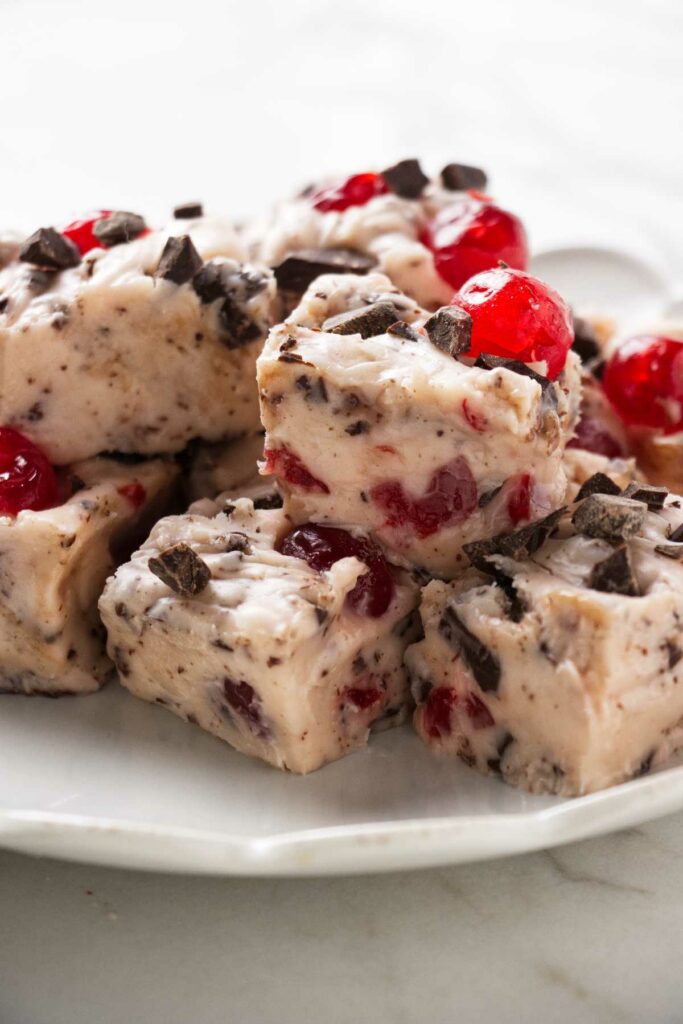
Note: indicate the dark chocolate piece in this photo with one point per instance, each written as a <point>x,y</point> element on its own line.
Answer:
<point>516,605</point>
<point>314,390</point>
<point>677,536</point>
<point>406,179</point>
<point>50,250</point>
<point>460,177</point>
<point>674,653</point>
<point>609,517</point>
<point>585,341</point>
<point>300,268</point>
<point>614,575</point>
<point>519,545</point>
<point>238,328</point>
<point>181,569</point>
<point>188,211</point>
<point>359,427</point>
<point>179,261</point>
<point>482,662</point>
<point>488,362</point>
<point>450,329</point>
<point>238,542</point>
<point>670,550</point>
<point>368,321</point>
<point>654,497</point>
<point>268,501</point>
<point>403,330</point>
<point>119,227</point>
<point>599,483</point>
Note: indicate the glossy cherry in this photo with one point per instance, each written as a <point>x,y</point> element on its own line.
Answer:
<point>517,316</point>
<point>27,480</point>
<point>357,190</point>
<point>321,546</point>
<point>81,231</point>
<point>451,496</point>
<point>474,235</point>
<point>644,382</point>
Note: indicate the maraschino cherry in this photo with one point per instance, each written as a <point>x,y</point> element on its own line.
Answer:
<point>644,382</point>
<point>81,231</point>
<point>357,190</point>
<point>27,480</point>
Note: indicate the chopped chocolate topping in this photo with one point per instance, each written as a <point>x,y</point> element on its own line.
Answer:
<point>519,545</point>
<point>48,249</point>
<point>460,177</point>
<point>609,517</point>
<point>677,535</point>
<point>238,542</point>
<point>483,664</point>
<point>368,321</point>
<point>488,362</point>
<point>188,211</point>
<point>403,330</point>
<point>450,329</point>
<point>654,497</point>
<point>239,329</point>
<point>119,227</point>
<point>179,261</point>
<point>585,340</point>
<point>181,569</point>
<point>406,179</point>
<point>300,268</point>
<point>614,575</point>
<point>210,283</point>
<point>599,483</point>
<point>268,501</point>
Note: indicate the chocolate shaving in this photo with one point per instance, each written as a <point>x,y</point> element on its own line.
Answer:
<point>50,250</point>
<point>460,177</point>
<point>599,483</point>
<point>609,517</point>
<point>654,497</point>
<point>118,227</point>
<point>614,575</point>
<point>188,211</point>
<point>482,662</point>
<point>181,569</point>
<point>585,340</point>
<point>519,545</point>
<point>403,330</point>
<point>450,330</point>
<point>300,268</point>
<point>488,362</point>
<point>406,179</point>
<point>179,261</point>
<point>368,321</point>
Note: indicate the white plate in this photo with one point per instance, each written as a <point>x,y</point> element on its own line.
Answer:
<point>110,780</point>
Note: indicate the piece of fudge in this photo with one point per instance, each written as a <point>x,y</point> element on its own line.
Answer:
<point>53,565</point>
<point>131,346</point>
<point>230,468</point>
<point>557,664</point>
<point>370,419</point>
<point>220,618</point>
<point>427,235</point>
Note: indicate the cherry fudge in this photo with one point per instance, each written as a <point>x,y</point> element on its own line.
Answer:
<point>374,415</point>
<point>427,236</point>
<point>117,338</point>
<point>287,644</point>
<point>54,561</point>
<point>558,663</point>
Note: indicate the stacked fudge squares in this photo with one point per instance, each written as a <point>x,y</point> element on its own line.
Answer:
<point>419,486</point>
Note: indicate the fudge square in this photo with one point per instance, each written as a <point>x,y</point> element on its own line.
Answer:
<point>561,669</point>
<point>53,566</point>
<point>371,419</point>
<point>283,643</point>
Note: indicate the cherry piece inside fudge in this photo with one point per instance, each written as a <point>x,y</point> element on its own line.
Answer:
<point>593,437</point>
<point>450,498</point>
<point>135,492</point>
<point>321,546</point>
<point>472,236</point>
<point>644,382</point>
<point>285,463</point>
<point>517,316</point>
<point>81,231</point>
<point>27,480</point>
<point>355,191</point>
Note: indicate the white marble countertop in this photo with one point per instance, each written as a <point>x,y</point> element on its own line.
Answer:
<point>139,104</point>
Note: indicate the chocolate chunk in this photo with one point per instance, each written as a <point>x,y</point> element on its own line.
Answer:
<point>238,328</point>
<point>516,605</point>
<point>300,268</point>
<point>238,542</point>
<point>609,517</point>
<point>211,282</point>
<point>488,362</point>
<point>4,303</point>
<point>406,179</point>
<point>503,744</point>
<point>368,321</point>
<point>179,261</point>
<point>482,662</point>
<point>654,497</point>
<point>314,390</point>
<point>486,497</point>
<point>614,575</point>
<point>359,427</point>
<point>268,501</point>
<point>450,329</point>
<point>674,653</point>
<point>40,281</point>
<point>403,330</point>
<point>670,550</point>
<point>188,211</point>
<point>460,177</point>
<point>599,483</point>
<point>585,340</point>
<point>48,249</point>
<point>677,535</point>
<point>181,569</point>
<point>118,227</point>
<point>519,545</point>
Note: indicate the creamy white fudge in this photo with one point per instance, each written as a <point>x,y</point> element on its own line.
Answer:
<point>385,429</point>
<point>254,645</point>
<point>580,465</point>
<point>561,669</point>
<point>229,468</point>
<point>112,355</point>
<point>53,565</point>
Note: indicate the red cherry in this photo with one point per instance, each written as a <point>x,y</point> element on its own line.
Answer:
<point>135,493</point>
<point>519,500</point>
<point>451,496</point>
<point>362,697</point>
<point>285,463</point>
<point>27,480</point>
<point>478,713</point>
<point>321,546</point>
<point>471,236</point>
<point>357,190</point>
<point>517,316</point>
<point>437,712</point>
<point>644,382</point>
<point>592,437</point>
<point>81,231</point>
